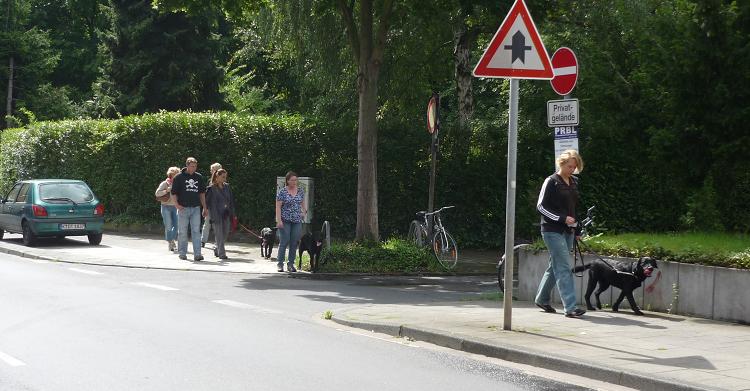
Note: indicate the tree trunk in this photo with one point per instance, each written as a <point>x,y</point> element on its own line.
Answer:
<point>367,157</point>
<point>9,100</point>
<point>462,39</point>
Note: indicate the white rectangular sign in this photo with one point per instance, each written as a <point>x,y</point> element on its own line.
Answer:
<point>562,112</point>
<point>561,145</point>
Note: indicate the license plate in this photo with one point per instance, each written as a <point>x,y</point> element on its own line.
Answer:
<point>72,226</point>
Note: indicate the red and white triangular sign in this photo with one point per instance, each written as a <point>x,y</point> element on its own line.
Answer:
<point>516,51</point>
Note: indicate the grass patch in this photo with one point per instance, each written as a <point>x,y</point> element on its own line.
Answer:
<point>328,315</point>
<point>715,249</point>
<point>391,257</point>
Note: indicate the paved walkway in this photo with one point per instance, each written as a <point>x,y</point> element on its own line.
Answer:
<point>142,252</point>
<point>653,352</point>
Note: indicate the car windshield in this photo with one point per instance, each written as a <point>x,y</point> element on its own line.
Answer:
<point>65,192</point>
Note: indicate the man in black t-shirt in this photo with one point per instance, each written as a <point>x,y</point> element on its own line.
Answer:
<point>189,191</point>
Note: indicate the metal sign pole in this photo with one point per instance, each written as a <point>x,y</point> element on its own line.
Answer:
<point>510,203</point>
<point>433,163</point>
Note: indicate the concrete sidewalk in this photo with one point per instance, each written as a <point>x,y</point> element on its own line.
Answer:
<point>653,352</point>
<point>141,252</point>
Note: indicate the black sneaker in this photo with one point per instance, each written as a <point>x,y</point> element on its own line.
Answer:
<point>576,313</point>
<point>291,269</point>
<point>198,258</point>
<point>203,244</point>
<point>546,307</point>
<point>183,257</point>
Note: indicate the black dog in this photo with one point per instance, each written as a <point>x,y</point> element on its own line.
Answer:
<point>313,246</point>
<point>268,237</point>
<point>624,275</point>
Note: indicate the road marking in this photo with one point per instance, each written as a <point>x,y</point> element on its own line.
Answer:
<point>84,271</point>
<point>255,308</point>
<point>40,261</point>
<point>155,286</point>
<point>10,360</point>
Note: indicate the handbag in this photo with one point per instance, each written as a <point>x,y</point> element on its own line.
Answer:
<point>163,198</point>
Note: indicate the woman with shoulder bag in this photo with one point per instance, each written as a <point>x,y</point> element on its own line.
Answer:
<point>168,208</point>
<point>220,204</point>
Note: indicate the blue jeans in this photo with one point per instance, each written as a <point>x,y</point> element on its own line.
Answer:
<point>559,246</point>
<point>169,216</point>
<point>189,216</point>
<point>289,236</point>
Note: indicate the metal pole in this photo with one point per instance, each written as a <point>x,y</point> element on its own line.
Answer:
<point>510,203</point>
<point>433,163</point>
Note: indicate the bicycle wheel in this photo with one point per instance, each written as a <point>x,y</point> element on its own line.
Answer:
<point>445,249</point>
<point>417,234</point>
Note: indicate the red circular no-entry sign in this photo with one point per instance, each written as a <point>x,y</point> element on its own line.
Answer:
<point>565,66</point>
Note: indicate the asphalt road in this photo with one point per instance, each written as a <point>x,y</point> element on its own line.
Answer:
<point>80,327</point>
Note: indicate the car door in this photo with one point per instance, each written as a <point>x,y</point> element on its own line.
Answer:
<point>8,207</point>
<point>21,203</point>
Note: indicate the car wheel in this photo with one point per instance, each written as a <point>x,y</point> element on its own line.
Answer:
<point>29,238</point>
<point>1,233</point>
<point>59,237</point>
<point>95,239</point>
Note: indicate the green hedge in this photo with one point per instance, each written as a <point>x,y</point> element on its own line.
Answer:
<point>125,159</point>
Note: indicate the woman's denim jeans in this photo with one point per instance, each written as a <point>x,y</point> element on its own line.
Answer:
<point>169,216</point>
<point>559,246</point>
<point>289,236</point>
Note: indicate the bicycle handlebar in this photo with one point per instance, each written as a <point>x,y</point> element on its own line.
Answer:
<point>425,213</point>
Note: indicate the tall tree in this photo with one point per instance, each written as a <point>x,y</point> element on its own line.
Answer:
<point>367,23</point>
<point>162,61</point>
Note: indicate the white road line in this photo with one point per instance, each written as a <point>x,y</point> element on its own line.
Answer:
<point>565,71</point>
<point>155,286</point>
<point>84,271</point>
<point>10,360</point>
<point>40,261</point>
<point>251,307</point>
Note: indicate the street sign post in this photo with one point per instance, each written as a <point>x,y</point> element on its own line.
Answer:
<point>515,52</point>
<point>433,127</point>
<point>565,66</point>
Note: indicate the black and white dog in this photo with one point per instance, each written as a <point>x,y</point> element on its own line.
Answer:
<point>624,275</point>
<point>268,238</point>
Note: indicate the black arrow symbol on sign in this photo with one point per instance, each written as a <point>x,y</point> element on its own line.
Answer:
<point>518,48</point>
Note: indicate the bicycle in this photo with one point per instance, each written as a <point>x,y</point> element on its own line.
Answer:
<point>443,245</point>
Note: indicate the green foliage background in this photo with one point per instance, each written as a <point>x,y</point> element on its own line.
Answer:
<point>663,89</point>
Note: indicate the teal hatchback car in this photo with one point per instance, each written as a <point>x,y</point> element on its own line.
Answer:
<point>52,208</point>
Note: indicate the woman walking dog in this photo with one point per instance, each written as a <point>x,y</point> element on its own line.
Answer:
<point>220,203</point>
<point>557,204</point>
<point>290,212</point>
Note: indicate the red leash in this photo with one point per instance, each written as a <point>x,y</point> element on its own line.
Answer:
<point>248,230</point>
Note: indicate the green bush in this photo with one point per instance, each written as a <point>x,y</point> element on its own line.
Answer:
<point>393,256</point>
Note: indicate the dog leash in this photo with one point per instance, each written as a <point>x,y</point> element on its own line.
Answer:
<point>577,253</point>
<point>248,230</point>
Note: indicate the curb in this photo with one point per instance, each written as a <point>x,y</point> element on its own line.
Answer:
<point>631,379</point>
